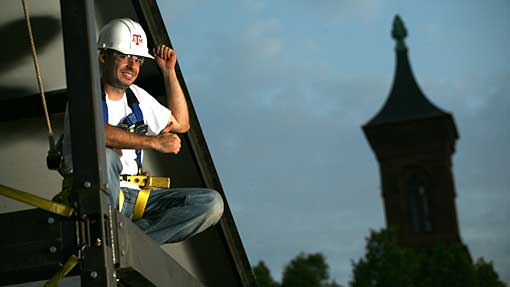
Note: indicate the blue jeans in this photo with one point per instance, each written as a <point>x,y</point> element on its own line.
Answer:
<point>171,215</point>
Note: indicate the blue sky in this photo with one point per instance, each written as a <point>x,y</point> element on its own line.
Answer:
<point>282,88</point>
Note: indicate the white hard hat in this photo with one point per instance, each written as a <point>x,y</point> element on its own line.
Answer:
<point>124,35</point>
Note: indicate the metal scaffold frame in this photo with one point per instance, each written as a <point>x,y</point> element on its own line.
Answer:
<point>112,251</point>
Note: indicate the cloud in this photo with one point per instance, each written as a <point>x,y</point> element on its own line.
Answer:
<point>335,10</point>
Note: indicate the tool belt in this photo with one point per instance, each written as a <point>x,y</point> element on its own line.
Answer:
<point>146,183</point>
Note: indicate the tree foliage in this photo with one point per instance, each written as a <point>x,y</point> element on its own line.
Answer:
<point>386,264</point>
<point>487,276</point>
<point>263,276</point>
<point>307,271</point>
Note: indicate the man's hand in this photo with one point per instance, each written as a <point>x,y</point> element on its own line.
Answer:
<point>165,57</point>
<point>167,143</point>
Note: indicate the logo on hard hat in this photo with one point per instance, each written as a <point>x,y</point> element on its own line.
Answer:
<point>137,39</point>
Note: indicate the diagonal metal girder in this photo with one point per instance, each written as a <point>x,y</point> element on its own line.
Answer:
<point>144,263</point>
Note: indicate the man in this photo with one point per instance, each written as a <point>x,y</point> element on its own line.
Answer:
<point>170,215</point>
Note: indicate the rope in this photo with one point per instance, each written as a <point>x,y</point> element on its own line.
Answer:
<point>37,70</point>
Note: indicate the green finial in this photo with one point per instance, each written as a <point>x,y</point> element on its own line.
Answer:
<point>399,32</point>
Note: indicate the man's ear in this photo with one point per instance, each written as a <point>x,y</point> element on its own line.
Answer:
<point>101,56</point>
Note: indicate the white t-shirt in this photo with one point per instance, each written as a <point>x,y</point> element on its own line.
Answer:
<point>155,116</point>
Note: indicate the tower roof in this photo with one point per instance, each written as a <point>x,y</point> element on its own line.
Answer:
<point>406,100</point>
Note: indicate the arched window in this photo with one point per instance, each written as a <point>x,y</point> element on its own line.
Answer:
<point>418,201</point>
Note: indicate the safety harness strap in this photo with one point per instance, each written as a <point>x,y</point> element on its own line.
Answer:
<point>141,203</point>
<point>121,200</point>
<point>62,272</point>
<point>133,103</point>
<point>37,201</point>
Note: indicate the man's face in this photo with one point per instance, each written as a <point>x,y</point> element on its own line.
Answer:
<point>119,70</point>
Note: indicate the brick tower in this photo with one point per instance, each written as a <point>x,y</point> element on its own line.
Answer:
<point>413,141</point>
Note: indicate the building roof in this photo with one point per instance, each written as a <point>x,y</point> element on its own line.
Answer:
<point>406,100</point>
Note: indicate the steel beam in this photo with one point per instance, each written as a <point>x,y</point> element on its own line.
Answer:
<point>87,134</point>
<point>144,263</point>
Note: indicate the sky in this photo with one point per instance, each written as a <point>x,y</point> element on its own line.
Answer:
<point>282,89</point>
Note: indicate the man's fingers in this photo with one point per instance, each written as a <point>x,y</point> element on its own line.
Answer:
<point>169,143</point>
<point>177,149</point>
<point>157,51</point>
<point>176,146</point>
<point>168,128</point>
<point>175,138</point>
<point>163,52</point>
<point>170,137</point>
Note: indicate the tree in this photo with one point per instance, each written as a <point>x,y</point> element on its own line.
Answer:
<point>445,266</point>
<point>486,274</point>
<point>307,271</point>
<point>263,276</point>
<point>387,264</point>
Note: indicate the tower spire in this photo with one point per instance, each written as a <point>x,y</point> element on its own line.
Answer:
<point>406,100</point>
<point>399,33</point>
